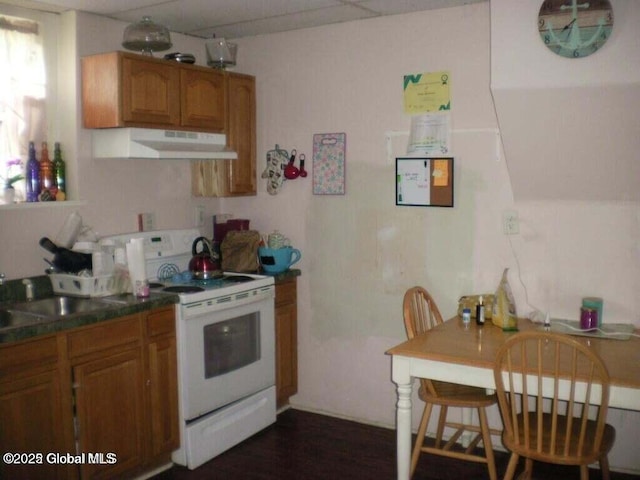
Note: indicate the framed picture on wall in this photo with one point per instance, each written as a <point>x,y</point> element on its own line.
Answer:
<point>424,181</point>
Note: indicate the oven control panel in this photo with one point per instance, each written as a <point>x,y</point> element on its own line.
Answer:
<point>161,243</point>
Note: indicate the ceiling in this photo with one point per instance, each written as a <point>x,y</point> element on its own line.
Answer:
<point>241,18</point>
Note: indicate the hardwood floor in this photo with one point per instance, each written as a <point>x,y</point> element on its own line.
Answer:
<point>308,446</point>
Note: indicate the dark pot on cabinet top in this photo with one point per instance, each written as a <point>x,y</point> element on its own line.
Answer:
<point>204,264</point>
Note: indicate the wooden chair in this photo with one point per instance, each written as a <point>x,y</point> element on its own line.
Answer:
<point>568,427</point>
<point>421,314</point>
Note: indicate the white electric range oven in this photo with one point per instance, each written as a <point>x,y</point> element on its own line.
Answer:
<point>225,331</point>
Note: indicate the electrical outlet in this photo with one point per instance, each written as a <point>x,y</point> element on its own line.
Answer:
<point>198,219</point>
<point>510,222</point>
<point>146,222</point>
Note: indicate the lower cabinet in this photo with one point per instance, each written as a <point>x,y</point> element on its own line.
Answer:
<point>33,411</point>
<point>286,316</point>
<point>161,386</point>
<point>107,397</point>
<point>108,393</point>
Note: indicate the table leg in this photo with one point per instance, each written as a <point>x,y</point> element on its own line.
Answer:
<point>404,384</point>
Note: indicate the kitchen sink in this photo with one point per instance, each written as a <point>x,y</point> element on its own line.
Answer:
<point>12,319</point>
<point>57,306</point>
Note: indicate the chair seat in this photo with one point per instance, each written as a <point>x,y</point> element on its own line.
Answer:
<point>455,395</point>
<point>586,455</point>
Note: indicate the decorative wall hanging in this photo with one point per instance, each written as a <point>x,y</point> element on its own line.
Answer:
<point>277,159</point>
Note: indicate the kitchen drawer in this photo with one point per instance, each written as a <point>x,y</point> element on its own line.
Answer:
<point>26,355</point>
<point>160,322</point>
<point>286,292</point>
<point>104,335</point>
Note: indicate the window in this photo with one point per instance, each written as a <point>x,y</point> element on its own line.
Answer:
<point>26,54</point>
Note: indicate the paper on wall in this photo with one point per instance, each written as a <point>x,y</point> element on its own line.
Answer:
<point>430,135</point>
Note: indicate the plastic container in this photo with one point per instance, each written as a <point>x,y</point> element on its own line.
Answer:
<point>588,319</point>
<point>595,303</point>
<point>466,316</point>
<point>69,231</point>
<point>76,286</point>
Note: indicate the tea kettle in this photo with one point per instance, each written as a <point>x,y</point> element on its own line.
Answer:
<point>206,264</point>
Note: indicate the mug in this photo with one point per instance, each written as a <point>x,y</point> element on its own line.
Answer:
<point>277,260</point>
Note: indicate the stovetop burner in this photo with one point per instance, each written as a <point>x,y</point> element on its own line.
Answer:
<point>183,289</point>
<point>237,278</point>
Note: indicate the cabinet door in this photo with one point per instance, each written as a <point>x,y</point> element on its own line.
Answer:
<point>241,134</point>
<point>202,99</point>
<point>109,395</point>
<point>31,423</point>
<point>286,316</point>
<point>150,92</point>
<point>228,178</point>
<point>286,353</point>
<point>162,394</point>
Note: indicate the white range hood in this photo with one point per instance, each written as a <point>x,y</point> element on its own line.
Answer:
<point>145,143</point>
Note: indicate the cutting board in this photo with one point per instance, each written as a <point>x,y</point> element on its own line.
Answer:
<point>329,162</point>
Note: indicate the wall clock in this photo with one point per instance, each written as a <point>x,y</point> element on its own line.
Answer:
<point>575,28</point>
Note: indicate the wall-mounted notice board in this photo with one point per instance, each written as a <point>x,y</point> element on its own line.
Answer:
<point>424,181</point>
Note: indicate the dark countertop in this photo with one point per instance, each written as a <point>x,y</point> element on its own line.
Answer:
<point>280,277</point>
<point>115,306</point>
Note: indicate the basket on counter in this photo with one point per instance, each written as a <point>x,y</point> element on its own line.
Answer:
<point>76,286</point>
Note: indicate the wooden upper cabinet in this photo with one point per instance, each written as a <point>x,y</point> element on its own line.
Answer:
<point>241,133</point>
<point>231,178</point>
<point>203,99</point>
<point>122,89</point>
<point>150,92</point>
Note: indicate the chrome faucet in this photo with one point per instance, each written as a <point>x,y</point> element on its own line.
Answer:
<point>29,289</point>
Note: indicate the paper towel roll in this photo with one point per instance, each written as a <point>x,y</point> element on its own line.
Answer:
<point>137,267</point>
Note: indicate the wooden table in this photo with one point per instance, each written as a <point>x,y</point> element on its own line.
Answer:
<point>453,353</point>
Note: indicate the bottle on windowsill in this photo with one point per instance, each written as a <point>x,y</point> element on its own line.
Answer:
<point>47,180</point>
<point>32,175</point>
<point>59,173</point>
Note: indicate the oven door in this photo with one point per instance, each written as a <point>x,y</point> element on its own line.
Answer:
<point>225,356</point>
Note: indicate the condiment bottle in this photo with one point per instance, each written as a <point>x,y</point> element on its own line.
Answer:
<point>32,175</point>
<point>466,317</point>
<point>59,173</point>
<point>47,180</point>
<point>480,312</point>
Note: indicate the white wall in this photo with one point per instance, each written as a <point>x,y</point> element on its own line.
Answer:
<point>360,251</point>
<point>570,126</point>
